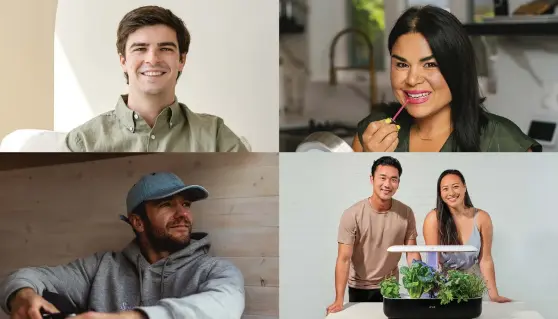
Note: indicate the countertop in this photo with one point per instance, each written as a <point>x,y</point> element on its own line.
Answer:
<point>374,310</point>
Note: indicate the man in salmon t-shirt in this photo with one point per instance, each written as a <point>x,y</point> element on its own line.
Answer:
<point>366,231</point>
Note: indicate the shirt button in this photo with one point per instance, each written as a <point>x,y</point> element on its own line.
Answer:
<point>136,116</point>
<point>152,137</point>
<point>131,129</point>
<point>170,123</point>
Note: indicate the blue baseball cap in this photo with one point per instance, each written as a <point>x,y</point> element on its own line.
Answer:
<point>160,185</point>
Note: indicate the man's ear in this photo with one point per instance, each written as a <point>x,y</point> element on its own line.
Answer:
<point>137,223</point>
<point>182,62</point>
<point>122,62</point>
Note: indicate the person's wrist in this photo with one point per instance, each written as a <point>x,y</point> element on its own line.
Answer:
<point>134,314</point>
<point>23,292</point>
<point>20,293</point>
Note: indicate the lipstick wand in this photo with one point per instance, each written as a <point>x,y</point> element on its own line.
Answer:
<point>400,109</point>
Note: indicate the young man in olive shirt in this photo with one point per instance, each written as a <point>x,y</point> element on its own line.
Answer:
<point>152,44</point>
<point>366,230</point>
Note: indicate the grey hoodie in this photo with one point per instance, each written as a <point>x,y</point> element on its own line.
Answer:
<point>188,284</point>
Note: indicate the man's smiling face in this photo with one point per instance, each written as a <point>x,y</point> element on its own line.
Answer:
<point>152,60</point>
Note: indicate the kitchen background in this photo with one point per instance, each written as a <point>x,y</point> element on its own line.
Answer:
<point>517,58</point>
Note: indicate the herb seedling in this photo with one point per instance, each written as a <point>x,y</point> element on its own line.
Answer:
<point>460,286</point>
<point>389,288</point>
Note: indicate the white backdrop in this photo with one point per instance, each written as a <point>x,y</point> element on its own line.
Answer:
<point>232,70</point>
<point>517,190</point>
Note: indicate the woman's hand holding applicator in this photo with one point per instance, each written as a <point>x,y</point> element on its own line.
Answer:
<point>382,136</point>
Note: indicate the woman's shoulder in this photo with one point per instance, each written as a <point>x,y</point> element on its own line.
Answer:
<point>503,135</point>
<point>483,216</point>
<point>431,217</point>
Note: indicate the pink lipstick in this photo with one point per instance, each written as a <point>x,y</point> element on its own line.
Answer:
<point>417,97</point>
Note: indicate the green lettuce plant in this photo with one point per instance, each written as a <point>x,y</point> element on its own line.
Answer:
<point>420,279</point>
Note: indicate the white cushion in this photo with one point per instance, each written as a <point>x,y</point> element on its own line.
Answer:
<point>33,140</point>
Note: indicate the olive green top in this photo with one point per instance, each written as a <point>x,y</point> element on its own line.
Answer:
<point>499,135</point>
<point>176,129</point>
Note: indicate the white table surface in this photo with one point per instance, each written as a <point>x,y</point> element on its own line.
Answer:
<point>490,310</point>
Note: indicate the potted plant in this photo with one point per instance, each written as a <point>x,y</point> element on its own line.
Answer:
<point>432,294</point>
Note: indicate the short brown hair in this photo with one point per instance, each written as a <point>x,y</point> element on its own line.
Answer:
<point>150,16</point>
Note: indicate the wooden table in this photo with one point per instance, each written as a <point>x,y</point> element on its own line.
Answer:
<point>490,310</point>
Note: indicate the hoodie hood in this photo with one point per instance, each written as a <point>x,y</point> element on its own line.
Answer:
<point>199,245</point>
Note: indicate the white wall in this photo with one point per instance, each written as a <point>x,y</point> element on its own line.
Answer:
<point>316,188</point>
<point>232,69</point>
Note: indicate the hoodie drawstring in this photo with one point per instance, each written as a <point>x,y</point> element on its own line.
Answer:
<point>163,279</point>
<point>140,280</point>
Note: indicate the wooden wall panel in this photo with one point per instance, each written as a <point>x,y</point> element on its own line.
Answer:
<point>11,161</point>
<point>54,214</point>
<point>261,300</point>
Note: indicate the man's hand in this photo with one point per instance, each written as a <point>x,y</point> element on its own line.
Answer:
<point>120,315</point>
<point>335,307</point>
<point>27,304</point>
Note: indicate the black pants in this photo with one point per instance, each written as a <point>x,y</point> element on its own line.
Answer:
<point>365,295</point>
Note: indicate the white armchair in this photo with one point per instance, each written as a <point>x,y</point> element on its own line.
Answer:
<point>33,140</point>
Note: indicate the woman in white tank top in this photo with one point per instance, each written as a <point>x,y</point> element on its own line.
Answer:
<point>455,221</point>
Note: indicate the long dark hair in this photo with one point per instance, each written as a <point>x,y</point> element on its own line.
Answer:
<point>447,230</point>
<point>455,55</point>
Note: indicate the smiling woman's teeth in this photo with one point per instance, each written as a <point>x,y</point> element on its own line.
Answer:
<point>418,95</point>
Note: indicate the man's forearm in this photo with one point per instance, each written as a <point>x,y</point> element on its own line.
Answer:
<point>72,279</point>
<point>220,296</point>
<point>12,285</point>
<point>341,278</point>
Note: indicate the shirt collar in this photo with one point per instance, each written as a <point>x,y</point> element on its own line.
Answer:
<point>172,114</point>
